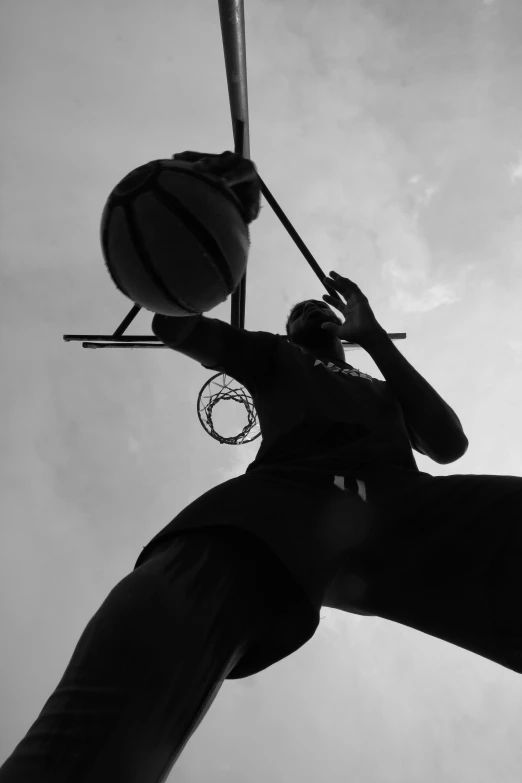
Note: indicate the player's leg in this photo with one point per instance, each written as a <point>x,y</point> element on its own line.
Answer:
<point>146,668</point>
<point>505,582</point>
<point>447,561</point>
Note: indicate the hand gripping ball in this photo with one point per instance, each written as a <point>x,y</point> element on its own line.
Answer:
<point>174,233</point>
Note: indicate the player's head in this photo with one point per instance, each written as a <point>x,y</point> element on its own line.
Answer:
<point>303,328</point>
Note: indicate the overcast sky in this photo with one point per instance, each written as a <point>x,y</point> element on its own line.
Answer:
<point>391,135</point>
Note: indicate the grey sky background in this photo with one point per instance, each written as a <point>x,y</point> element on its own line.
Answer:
<point>391,135</point>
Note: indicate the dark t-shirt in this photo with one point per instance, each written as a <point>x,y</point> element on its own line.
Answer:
<point>316,415</point>
<point>319,419</point>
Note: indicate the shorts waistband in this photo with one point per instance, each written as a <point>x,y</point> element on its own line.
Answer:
<point>347,484</point>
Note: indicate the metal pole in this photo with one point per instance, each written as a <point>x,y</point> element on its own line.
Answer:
<point>232,18</point>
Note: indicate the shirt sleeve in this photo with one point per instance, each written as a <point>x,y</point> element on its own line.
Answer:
<point>248,357</point>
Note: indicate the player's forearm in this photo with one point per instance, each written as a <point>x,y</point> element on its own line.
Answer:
<point>434,422</point>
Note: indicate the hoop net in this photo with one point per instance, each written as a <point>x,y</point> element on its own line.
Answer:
<point>227,388</point>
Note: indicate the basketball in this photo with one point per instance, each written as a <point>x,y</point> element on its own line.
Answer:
<point>175,236</point>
